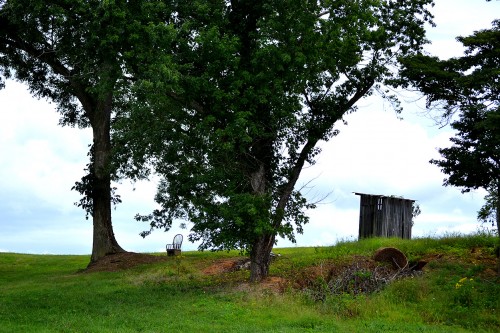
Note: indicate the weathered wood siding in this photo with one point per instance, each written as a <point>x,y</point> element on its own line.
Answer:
<point>384,216</point>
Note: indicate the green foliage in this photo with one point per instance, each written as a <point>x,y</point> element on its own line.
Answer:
<point>468,85</point>
<point>488,212</point>
<point>260,84</point>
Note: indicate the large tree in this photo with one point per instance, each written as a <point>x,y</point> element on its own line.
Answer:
<point>84,55</point>
<point>263,81</point>
<point>467,92</point>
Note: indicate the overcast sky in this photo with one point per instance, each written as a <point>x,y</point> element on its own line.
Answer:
<point>375,153</point>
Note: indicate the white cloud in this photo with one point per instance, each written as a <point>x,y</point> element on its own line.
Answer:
<point>455,18</point>
<point>377,152</point>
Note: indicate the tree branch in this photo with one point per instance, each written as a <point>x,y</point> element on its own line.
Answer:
<point>306,150</point>
<point>57,67</point>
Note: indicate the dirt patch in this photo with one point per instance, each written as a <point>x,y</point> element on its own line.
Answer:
<point>272,284</point>
<point>481,256</point>
<point>224,266</point>
<point>123,261</point>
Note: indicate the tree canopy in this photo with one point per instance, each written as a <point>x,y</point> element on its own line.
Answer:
<point>467,90</point>
<point>86,56</point>
<point>260,84</point>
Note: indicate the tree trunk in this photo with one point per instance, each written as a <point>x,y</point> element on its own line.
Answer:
<point>104,241</point>
<point>498,208</point>
<point>260,257</point>
<point>497,249</point>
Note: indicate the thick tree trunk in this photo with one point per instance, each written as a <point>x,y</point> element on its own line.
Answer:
<point>260,257</point>
<point>104,241</point>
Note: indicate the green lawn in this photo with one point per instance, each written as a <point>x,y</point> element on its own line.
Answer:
<point>457,292</point>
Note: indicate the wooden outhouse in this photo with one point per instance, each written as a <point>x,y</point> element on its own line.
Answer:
<point>385,216</point>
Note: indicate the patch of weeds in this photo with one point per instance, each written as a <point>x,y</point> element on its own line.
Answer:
<point>449,268</point>
<point>318,290</point>
<point>176,271</point>
<point>412,290</point>
<point>474,270</point>
<point>465,293</point>
<point>307,323</point>
<point>333,252</point>
<point>345,305</point>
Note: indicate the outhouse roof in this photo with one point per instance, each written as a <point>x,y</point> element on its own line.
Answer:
<point>384,196</point>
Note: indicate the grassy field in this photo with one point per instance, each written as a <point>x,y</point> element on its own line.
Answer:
<point>457,291</point>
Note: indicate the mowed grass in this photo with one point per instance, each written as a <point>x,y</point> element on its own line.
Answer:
<point>458,292</point>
